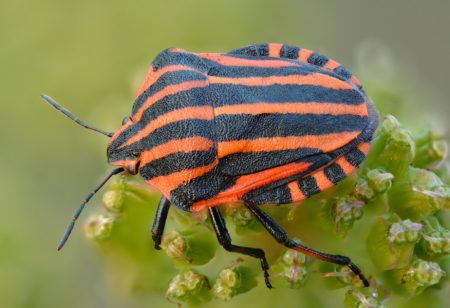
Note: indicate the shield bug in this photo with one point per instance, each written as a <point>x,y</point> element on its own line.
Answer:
<point>262,124</point>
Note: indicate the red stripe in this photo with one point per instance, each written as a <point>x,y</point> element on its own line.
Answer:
<point>364,147</point>
<point>327,143</point>
<point>179,145</point>
<point>304,54</point>
<point>274,50</point>
<point>331,65</point>
<point>170,89</point>
<point>299,108</point>
<point>233,61</point>
<point>296,193</point>
<point>355,81</point>
<point>167,183</point>
<point>314,79</point>
<point>322,181</point>
<point>194,112</point>
<point>152,76</point>
<point>119,131</point>
<point>345,165</point>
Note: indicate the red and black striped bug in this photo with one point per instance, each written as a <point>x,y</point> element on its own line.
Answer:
<point>262,124</point>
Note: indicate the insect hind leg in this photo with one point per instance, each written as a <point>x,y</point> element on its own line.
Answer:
<point>225,240</point>
<point>282,237</point>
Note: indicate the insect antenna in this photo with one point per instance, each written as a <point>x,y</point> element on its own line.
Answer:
<point>70,115</point>
<point>86,200</point>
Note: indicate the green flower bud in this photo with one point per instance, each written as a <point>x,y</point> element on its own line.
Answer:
<point>391,242</point>
<point>363,191</point>
<point>389,125</point>
<point>379,180</point>
<point>189,287</point>
<point>433,154</point>
<point>342,276</point>
<point>398,153</point>
<point>99,227</point>
<point>133,187</point>
<point>437,243</point>
<point>242,218</point>
<point>289,271</point>
<point>175,246</point>
<point>417,277</point>
<point>383,134</point>
<point>113,200</point>
<point>233,281</point>
<point>347,277</point>
<point>355,298</point>
<point>435,239</point>
<point>194,246</point>
<point>431,149</point>
<point>345,212</point>
<point>422,193</point>
<point>404,231</point>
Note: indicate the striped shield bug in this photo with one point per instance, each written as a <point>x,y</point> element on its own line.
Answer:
<point>262,124</point>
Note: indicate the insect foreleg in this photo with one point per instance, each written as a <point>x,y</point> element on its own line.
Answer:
<point>160,221</point>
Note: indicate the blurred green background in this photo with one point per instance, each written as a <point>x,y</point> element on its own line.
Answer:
<point>92,55</point>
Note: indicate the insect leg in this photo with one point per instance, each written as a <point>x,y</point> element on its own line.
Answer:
<point>282,237</point>
<point>160,221</point>
<point>225,240</point>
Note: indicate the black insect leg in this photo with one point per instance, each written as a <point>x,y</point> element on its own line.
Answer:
<point>281,236</point>
<point>225,240</point>
<point>160,221</point>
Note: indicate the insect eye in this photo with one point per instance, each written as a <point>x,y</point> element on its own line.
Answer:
<point>125,120</point>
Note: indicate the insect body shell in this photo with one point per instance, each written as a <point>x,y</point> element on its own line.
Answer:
<point>267,123</point>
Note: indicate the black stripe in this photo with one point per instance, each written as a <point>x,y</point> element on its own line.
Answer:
<point>177,162</point>
<point>278,195</point>
<point>343,72</point>
<point>172,131</point>
<point>355,157</point>
<point>201,188</point>
<point>125,154</point>
<point>124,136</point>
<point>258,50</point>
<point>226,94</point>
<point>169,57</point>
<point>246,163</point>
<point>244,126</point>
<point>290,52</point>
<point>334,173</point>
<point>317,59</point>
<point>167,79</point>
<point>171,102</point>
<point>308,186</point>
<point>244,71</point>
